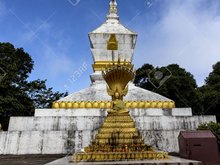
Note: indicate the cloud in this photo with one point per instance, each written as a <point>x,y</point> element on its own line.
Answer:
<point>186,33</point>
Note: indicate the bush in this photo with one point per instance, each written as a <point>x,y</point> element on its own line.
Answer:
<point>214,127</point>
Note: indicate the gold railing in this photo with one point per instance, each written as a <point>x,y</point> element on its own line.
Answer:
<point>108,104</point>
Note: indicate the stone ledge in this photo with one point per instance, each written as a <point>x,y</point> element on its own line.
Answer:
<point>103,112</point>
<point>70,112</point>
<point>181,112</point>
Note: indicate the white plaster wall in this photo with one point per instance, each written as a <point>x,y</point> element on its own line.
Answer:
<point>93,123</point>
<point>126,45</point>
<point>70,112</point>
<point>65,134</point>
<point>54,123</point>
<point>166,140</point>
<point>33,142</point>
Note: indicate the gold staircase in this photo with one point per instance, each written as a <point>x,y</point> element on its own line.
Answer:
<point>118,138</point>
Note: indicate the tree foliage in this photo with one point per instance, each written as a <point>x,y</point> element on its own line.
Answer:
<point>18,97</point>
<point>172,82</point>
<point>214,127</point>
<point>42,96</point>
<point>181,87</point>
<point>211,92</point>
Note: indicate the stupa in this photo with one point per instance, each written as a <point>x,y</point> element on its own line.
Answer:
<point>74,121</point>
<point>104,53</point>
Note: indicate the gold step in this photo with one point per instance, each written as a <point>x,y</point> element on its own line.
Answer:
<point>124,135</point>
<point>110,156</point>
<point>121,130</point>
<point>119,141</point>
<point>118,119</point>
<point>118,125</point>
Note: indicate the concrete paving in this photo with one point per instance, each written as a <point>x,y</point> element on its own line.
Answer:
<point>28,159</point>
<point>172,161</point>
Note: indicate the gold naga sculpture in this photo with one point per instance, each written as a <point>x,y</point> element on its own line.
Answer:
<point>118,138</point>
<point>117,77</point>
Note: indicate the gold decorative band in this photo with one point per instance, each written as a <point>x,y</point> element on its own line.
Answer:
<point>108,104</point>
<point>101,65</point>
<point>119,156</point>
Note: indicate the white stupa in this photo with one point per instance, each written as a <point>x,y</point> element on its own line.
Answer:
<point>68,129</point>
<point>102,56</point>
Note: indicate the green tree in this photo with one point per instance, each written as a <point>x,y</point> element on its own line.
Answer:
<point>141,78</point>
<point>18,97</point>
<point>42,96</point>
<point>211,92</point>
<point>172,82</point>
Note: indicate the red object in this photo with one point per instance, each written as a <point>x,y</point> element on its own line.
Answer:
<point>199,145</point>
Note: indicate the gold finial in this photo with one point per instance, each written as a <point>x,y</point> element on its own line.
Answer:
<point>119,59</point>
<point>112,43</point>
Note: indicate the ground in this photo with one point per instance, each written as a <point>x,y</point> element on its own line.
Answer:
<point>28,159</point>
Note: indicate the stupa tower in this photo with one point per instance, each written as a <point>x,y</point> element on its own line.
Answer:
<point>110,32</point>
<point>107,43</point>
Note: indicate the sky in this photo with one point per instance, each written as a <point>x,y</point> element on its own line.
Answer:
<point>55,34</point>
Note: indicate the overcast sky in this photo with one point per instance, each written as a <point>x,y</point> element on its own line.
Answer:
<point>55,34</point>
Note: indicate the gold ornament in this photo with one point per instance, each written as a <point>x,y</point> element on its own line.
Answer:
<point>147,104</point>
<point>108,105</point>
<point>112,43</point>
<point>75,105</point>
<point>62,105</point>
<point>55,105</point>
<point>88,105</point>
<point>82,104</point>
<point>95,105</point>
<point>134,104</point>
<point>69,105</point>
<point>102,105</point>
